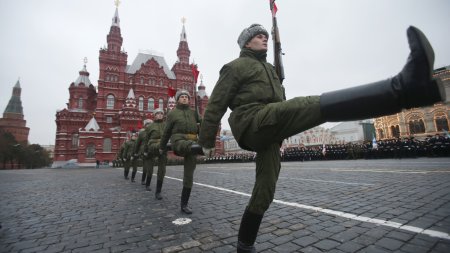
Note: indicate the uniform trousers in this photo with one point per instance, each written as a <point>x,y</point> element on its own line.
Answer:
<point>183,148</point>
<point>270,126</point>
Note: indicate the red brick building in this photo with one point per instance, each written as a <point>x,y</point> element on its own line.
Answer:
<point>13,119</point>
<point>97,122</point>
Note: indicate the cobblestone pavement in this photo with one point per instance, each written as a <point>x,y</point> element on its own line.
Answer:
<point>329,206</point>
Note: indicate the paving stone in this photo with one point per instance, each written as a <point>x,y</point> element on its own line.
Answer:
<point>95,210</point>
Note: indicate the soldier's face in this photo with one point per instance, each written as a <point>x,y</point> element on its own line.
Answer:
<point>159,116</point>
<point>183,99</point>
<point>258,43</point>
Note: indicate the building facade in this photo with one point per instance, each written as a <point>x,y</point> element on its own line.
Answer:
<point>418,122</point>
<point>98,120</point>
<point>13,119</point>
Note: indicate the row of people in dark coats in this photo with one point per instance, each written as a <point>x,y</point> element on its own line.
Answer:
<point>432,146</point>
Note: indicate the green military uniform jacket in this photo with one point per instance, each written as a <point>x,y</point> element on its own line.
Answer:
<point>128,150</point>
<point>245,85</point>
<point>154,133</point>
<point>140,142</point>
<point>182,123</point>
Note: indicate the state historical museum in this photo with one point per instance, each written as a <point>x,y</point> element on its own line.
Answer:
<point>98,121</point>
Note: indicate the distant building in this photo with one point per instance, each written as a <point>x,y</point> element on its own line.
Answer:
<point>311,137</point>
<point>98,121</point>
<point>13,119</point>
<point>418,122</point>
<point>353,131</point>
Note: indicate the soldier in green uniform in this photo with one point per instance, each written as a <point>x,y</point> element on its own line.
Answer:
<point>129,160</point>
<point>139,147</point>
<point>182,129</point>
<point>154,133</point>
<point>261,118</point>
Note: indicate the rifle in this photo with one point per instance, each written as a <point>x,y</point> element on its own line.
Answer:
<point>278,53</point>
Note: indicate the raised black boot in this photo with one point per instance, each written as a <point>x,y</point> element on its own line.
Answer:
<point>412,87</point>
<point>147,183</point>
<point>158,189</point>
<point>248,231</point>
<point>185,194</point>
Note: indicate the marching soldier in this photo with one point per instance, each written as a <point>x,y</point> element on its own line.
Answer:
<point>261,118</point>
<point>128,157</point>
<point>154,133</point>
<point>182,129</point>
<point>138,150</point>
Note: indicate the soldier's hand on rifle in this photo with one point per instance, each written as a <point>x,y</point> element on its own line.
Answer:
<point>209,152</point>
<point>145,154</point>
<point>131,158</point>
<point>124,159</point>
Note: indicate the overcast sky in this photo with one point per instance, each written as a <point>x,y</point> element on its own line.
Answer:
<point>328,45</point>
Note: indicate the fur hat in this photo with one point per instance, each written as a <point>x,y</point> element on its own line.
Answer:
<point>248,33</point>
<point>181,92</point>
<point>158,110</point>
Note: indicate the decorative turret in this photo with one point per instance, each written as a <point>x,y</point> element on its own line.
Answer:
<point>92,125</point>
<point>114,37</point>
<point>82,92</point>
<point>13,120</point>
<point>201,89</point>
<point>183,51</point>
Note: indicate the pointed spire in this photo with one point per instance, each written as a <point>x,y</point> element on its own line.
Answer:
<point>116,19</point>
<point>183,51</point>
<point>15,103</point>
<point>183,36</point>
<point>17,83</point>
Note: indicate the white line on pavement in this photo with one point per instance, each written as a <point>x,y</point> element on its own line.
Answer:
<point>324,181</point>
<point>432,233</point>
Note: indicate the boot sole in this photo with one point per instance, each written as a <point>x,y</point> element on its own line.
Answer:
<point>425,45</point>
<point>429,52</point>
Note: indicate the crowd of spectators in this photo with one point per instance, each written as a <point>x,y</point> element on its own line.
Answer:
<point>432,146</point>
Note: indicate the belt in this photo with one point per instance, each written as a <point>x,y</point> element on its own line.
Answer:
<point>191,137</point>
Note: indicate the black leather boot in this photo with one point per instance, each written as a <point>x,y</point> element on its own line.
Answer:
<point>125,173</point>
<point>158,189</point>
<point>133,175</point>
<point>248,231</point>
<point>143,177</point>
<point>147,182</point>
<point>185,194</point>
<point>412,87</point>
<point>196,149</point>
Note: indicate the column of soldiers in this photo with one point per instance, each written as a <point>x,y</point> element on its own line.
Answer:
<point>178,133</point>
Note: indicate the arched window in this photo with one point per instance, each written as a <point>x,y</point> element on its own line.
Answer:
<point>416,126</point>
<point>380,134</point>
<point>395,130</point>
<point>110,102</point>
<point>141,103</point>
<point>74,140</point>
<point>161,103</point>
<point>90,150</point>
<point>151,104</point>
<point>142,80</point>
<point>441,124</point>
<point>80,103</point>
<point>107,145</point>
